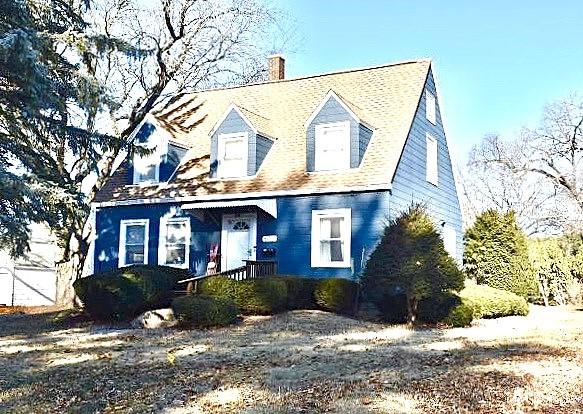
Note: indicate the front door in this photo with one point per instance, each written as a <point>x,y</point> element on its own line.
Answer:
<point>238,240</point>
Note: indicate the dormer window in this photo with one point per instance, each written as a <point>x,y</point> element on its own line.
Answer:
<point>232,155</point>
<point>146,164</point>
<point>332,146</point>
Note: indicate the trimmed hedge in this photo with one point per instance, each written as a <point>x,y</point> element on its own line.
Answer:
<point>490,302</point>
<point>437,308</point>
<point>202,311</point>
<point>123,293</point>
<point>460,315</point>
<point>300,291</point>
<point>253,297</point>
<point>336,295</point>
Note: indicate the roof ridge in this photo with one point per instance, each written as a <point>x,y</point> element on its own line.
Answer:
<point>317,75</point>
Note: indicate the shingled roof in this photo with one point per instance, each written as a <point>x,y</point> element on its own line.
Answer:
<point>386,97</point>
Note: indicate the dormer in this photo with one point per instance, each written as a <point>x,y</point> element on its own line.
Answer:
<point>240,142</point>
<point>162,156</point>
<point>336,136</point>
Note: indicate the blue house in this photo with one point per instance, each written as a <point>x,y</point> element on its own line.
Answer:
<point>302,172</point>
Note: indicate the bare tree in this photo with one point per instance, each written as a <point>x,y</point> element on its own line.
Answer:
<point>539,175</point>
<point>148,58</point>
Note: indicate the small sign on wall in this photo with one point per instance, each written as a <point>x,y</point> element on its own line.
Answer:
<point>271,238</point>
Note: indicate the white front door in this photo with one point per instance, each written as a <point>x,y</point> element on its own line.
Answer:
<point>238,240</point>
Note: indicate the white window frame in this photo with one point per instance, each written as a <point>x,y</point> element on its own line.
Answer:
<point>164,221</point>
<point>123,224</point>
<point>136,181</point>
<point>318,130</point>
<point>430,107</point>
<point>449,236</point>
<point>432,159</point>
<point>222,140</point>
<point>346,232</point>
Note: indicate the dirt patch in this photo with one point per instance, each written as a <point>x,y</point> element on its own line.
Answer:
<point>297,362</point>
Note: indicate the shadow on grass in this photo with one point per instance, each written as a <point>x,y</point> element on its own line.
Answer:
<point>295,362</point>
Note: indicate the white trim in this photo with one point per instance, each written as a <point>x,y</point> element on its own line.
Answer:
<point>258,194</point>
<point>164,221</point>
<point>224,234</point>
<point>449,238</point>
<point>226,114</point>
<point>346,214</point>
<point>318,130</point>
<point>122,240</point>
<point>156,179</point>
<point>332,94</point>
<point>431,144</point>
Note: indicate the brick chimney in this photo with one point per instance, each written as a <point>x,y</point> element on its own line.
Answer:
<point>276,67</point>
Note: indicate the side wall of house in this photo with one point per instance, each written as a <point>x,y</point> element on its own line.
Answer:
<point>410,184</point>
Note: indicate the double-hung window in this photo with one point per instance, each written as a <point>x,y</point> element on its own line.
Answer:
<point>146,166</point>
<point>174,244</point>
<point>431,164</point>
<point>133,242</point>
<point>232,155</point>
<point>331,236</point>
<point>332,146</point>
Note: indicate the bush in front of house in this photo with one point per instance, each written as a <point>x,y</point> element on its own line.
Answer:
<point>490,302</point>
<point>412,259</point>
<point>461,315</point>
<point>123,293</point>
<point>253,297</point>
<point>300,291</point>
<point>201,311</point>
<point>496,254</point>
<point>336,295</point>
<point>437,308</point>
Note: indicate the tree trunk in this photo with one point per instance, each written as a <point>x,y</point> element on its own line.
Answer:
<point>412,303</point>
<point>68,271</point>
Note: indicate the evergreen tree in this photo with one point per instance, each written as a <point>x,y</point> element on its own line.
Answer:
<point>410,258</point>
<point>496,254</point>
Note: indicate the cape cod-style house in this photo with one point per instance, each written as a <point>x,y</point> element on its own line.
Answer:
<point>300,173</point>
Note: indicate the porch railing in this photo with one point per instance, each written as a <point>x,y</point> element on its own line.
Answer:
<point>253,269</point>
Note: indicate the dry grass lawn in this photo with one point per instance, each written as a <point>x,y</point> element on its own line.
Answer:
<point>297,362</point>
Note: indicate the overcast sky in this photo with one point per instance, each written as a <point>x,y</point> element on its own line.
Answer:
<point>498,62</point>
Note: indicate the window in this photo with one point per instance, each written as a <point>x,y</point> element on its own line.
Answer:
<point>430,107</point>
<point>449,236</point>
<point>331,234</point>
<point>232,155</point>
<point>431,159</point>
<point>133,242</point>
<point>332,146</point>
<point>174,244</point>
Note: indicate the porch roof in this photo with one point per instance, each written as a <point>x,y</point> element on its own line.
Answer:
<point>269,205</point>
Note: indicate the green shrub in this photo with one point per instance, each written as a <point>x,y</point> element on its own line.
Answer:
<point>300,292</point>
<point>490,302</point>
<point>218,286</point>
<point>410,258</point>
<point>202,311</point>
<point>496,254</point>
<point>261,296</point>
<point>253,297</point>
<point>393,308</point>
<point>437,308</point>
<point>336,295</point>
<point>460,315</point>
<point>123,293</point>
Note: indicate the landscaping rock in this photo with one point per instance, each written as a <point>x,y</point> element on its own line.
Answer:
<point>159,318</point>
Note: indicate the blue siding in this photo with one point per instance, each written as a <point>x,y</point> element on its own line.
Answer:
<point>263,146</point>
<point>333,111</point>
<point>410,184</point>
<point>293,229</point>
<point>258,145</point>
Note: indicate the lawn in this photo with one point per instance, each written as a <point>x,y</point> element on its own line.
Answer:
<point>297,362</point>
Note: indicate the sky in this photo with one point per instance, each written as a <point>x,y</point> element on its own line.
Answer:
<point>497,62</point>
